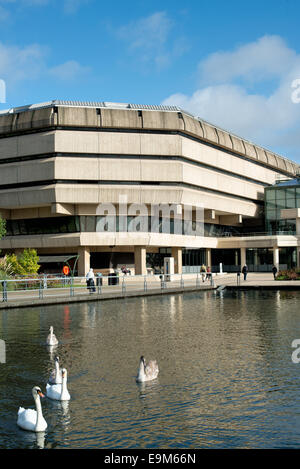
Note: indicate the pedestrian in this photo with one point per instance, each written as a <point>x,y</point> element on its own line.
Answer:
<point>203,272</point>
<point>245,271</point>
<point>208,273</point>
<point>90,281</point>
<point>274,270</point>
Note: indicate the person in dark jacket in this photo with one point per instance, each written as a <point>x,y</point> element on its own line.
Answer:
<point>274,270</point>
<point>245,271</point>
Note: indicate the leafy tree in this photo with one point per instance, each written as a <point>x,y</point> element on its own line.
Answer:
<point>25,263</point>
<point>28,260</point>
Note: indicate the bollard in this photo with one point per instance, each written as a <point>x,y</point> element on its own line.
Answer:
<point>123,286</point>
<point>197,280</point>
<point>181,282</point>
<point>4,292</point>
<point>238,278</point>
<point>145,284</point>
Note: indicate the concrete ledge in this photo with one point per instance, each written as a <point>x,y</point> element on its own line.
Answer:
<point>276,286</point>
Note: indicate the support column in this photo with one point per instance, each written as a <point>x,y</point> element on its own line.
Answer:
<point>208,257</point>
<point>243,257</point>
<point>83,261</point>
<point>177,254</point>
<point>276,257</point>
<point>140,260</point>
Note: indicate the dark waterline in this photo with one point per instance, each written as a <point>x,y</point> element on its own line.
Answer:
<point>226,376</point>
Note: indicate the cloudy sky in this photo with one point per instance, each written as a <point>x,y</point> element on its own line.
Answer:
<point>235,64</point>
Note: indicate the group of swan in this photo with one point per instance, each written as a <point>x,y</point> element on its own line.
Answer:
<point>56,388</point>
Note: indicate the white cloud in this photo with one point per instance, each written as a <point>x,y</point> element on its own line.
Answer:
<point>19,63</point>
<point>226,98</point>
<point>148,39</point>
<point>69,70</point>
<point>71,6</point>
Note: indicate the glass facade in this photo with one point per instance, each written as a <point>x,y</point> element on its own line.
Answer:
<point>281,196</point>
<point>83,224</point>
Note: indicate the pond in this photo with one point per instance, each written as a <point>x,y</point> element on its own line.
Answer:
<point>226,376</point>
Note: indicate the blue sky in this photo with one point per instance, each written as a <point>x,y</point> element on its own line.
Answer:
<point>232,63</point>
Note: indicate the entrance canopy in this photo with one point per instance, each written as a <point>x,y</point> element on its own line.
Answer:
<point>55,259</point>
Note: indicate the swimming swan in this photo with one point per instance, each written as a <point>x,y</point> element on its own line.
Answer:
<point>51,339</point>
<point>55,376</point>
<point>59,392</point>
<point>30,419</point>
<point>147,372</point>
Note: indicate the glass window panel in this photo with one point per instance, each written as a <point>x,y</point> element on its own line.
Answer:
<point>280,194</point>
<point>290,193</point>
<point>271,205</point>
<point>90,224</point>
<point>291,203</point>
<point>270,194</point>
<point>271,214</point>
<point>281,204</point>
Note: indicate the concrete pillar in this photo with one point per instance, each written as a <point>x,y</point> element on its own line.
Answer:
<point>298,225</point>
<point>243,257</point>
<point>140,260</point>
<point>83,261</point>
<point>208,257</point>
<point>276,257</point>
<point>177,254</point>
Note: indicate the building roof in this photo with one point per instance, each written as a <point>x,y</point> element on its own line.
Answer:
<point>181,121</point>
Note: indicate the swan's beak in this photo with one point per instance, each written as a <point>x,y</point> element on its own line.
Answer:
<point>41,394</point>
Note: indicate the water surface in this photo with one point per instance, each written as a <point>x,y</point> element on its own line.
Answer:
<point>226,376</point>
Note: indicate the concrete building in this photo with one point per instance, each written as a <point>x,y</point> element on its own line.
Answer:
<point>59,160</point>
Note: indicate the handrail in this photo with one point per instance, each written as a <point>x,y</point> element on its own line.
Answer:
<point>41,287</point>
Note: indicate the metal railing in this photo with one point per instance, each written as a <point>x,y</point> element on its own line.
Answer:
<point>18,289</point>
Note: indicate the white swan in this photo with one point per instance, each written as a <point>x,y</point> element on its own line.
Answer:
<point>55,376</point>
<point>51,339</point>
<point>147,372</point>
<point>30,419</point>
<point>59,392</point>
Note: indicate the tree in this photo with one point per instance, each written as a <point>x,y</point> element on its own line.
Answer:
<point>25,263</point>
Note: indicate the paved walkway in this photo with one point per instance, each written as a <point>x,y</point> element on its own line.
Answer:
<point>135,287</point>
<point>256,280</point>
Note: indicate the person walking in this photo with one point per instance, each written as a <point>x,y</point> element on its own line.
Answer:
<point>90,281</point>
<point>208,273</point>
<point>203,272</point>
<point>274,270</point>
<point>245,271</point>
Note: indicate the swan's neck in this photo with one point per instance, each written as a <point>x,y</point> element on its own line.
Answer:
<point>39,412</point>
<point>141,370</point>
<point>56,369</point>
<point>64,389</point>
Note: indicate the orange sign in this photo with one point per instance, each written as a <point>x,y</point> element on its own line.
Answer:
<point>66,270</point>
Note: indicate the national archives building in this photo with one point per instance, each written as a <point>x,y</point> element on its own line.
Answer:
<point>65,166</point>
